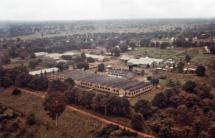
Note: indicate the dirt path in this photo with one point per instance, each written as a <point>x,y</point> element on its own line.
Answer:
<point>106,121</point>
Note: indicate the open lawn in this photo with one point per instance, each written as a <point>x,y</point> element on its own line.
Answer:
<point>152,52</point>
<point>71,124</point>
<point>146,96</point>
<point>177,54</point>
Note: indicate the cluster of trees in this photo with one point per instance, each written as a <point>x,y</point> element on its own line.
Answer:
<point>20,77</point>
<point>104,104</point>
<point>62,93</point>
<point>180,113</point>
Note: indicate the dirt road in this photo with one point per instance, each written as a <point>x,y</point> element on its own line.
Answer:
<point>104,120</point>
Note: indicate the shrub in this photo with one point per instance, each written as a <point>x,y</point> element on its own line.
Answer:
<point>127,133</point>
<point>105,132</point>
<point>31,120</point>
<point>137,121</point>
<point>16,92</point>
<point>189,86</point>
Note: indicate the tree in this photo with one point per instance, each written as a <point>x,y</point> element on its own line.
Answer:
<point>31,119</point>
<point>39,83</point>
<point>16,92</point>
<point>187,58</point>
<point>155,81</point>
<point>101,67</point>
<point>211,69</point>
<point>54,105</point>
<point>142,72</point>
<point>180,67</point>
<point>33,63</point>
<point>5,59</point>
<point>137,121</point>
<point>22,79</point>
<point>143,107</point>
<point>189,86</point>
<point>116,52</point>
<point>6,81</point>
<point>160,100</point>
<point>71,96</point>
<point>56,85</point>
<point>70,83</point>
<point>62,66</point>
<point>200,71</point>
<point>82,65</point>
<point>83,55</point>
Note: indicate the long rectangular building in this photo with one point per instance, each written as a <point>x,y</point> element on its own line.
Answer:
<point>121,87</point>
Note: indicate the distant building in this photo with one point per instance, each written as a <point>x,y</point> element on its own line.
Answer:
<point>43,71</point>
<point>121,87</point>
<point>97,57</point>
<point>120,73</point>
<point>125,58</point>
<point>37,54</point>
<point>144,61</point>
<point>56,56</point>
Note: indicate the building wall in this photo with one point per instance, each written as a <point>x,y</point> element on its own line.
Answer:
<point>139,91</point>
<point>105,88</point>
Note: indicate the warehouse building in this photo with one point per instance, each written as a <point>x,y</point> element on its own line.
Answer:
<point>144,61</point>
<point>121,87</point>
<point>44,71</point>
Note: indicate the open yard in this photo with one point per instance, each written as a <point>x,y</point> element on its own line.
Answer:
<point>71,124</point>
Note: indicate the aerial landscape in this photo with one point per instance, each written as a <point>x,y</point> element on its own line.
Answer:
<point>107,69</point>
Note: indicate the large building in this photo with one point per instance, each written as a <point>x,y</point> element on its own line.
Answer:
<point>43,71</point>
<point>121,87</point>
<point>144,61</point>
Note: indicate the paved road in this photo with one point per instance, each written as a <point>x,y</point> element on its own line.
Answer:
<point>106,121</point>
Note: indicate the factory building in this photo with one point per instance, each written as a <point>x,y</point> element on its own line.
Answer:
<point>121,87</point>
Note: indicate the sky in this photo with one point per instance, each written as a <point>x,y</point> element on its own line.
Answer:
<point>104,9</point>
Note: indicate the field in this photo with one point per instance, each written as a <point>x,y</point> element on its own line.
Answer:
<point>177,54</point>
<point>70,125</point>
<point>146,96</point>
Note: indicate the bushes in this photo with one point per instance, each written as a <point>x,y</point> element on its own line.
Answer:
<point>31,120</point>
<point>200,71</point>
<point>105,132</point>
<point>189,86</point>
<point>39,83</point>
<point>137,121</point>
<point>16,92</point>
<point>160,100</point>
<point>144,107</point>
<point>127,133</point>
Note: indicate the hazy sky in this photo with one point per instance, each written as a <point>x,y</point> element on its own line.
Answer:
<point>104,9</point>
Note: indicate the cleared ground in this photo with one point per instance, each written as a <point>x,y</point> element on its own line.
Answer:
<point>70,125</point>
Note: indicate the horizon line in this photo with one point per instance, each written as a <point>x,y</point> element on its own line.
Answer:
<point>108,19</point>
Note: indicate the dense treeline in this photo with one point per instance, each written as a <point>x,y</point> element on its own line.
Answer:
<point>104,104</point>
<point>19,76</point>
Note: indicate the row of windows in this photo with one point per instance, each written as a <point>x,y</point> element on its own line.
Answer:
<point>139,91</point>
<point>97,86</point>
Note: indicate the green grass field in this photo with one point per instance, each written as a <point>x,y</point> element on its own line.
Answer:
<point>177,54</point>
<point>70,124</point>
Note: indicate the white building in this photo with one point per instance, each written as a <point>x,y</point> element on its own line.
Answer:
<point>42,71</point>
<point>37,54</point>
<point>96,57</point>
<point>143,61</point>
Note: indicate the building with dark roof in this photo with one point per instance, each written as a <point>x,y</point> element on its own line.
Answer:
<point>118,86</point>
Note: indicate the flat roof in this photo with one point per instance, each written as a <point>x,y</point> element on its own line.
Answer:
<point>108,81</point>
